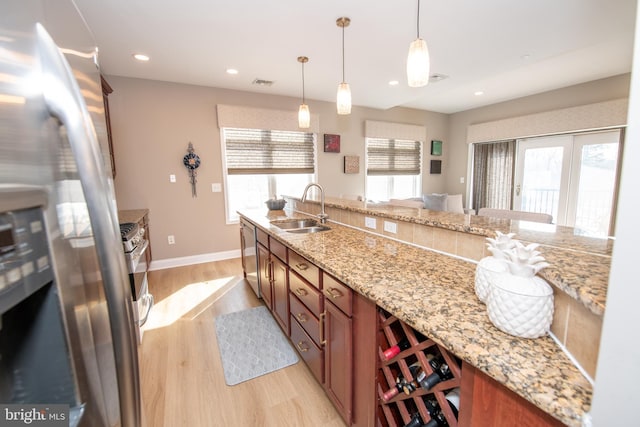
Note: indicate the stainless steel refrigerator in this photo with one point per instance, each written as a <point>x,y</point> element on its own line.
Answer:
<point>67,336</point>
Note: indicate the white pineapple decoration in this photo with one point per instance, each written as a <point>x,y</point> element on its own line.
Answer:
<point>494,264</point>
<point>519,302</point>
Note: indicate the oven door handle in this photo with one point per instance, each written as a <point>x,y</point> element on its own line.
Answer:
<point>148,299</point>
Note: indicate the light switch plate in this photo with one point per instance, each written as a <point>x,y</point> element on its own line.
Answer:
<point>172,178</point>
<point>369,222</point>
<point>216,187</point>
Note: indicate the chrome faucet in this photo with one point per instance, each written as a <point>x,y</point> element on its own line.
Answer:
<point>323,216</point>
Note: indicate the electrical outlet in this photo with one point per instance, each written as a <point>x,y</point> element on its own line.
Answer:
<point>369,222</point>
<point>172,178</point>
<point>390,227</point>
<point>171,239</point>
<point>216,187</point>
<point>462,180</point>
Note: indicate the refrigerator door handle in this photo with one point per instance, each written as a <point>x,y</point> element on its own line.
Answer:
<point>65,102</point>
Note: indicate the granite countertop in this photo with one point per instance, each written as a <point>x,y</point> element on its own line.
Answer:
<point>580,264</point>
<point>434,293</point>
<point>131,215</point>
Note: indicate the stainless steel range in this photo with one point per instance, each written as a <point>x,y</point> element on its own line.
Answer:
<point>135,245</point>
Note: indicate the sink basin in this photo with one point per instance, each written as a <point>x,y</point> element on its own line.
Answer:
<point>295,224</point>
<point>314,229</point>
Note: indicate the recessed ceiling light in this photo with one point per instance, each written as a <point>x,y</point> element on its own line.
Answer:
<point>478,93</point>
<point>232,71</point>
<point>394,83</point>
<point>141,57</point>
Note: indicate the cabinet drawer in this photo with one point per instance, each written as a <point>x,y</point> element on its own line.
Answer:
<point>262,237</point>
<point>305,318</point>
<point>310,296</point>
<point>305,268</point>
<point>312,355</point>
<point>338,293</point>
<point>278,249</point>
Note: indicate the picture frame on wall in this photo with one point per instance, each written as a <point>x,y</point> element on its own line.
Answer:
<point>351,164</point>
<point>436,167</point>
<point>331,143</point>
<point>436,147</point>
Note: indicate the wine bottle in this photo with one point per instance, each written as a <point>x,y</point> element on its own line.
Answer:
<point>441,372</point>
<point>394,350</point>
<point>435,413</point>
<point>401,383</point>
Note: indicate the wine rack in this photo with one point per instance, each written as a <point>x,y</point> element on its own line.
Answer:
<point>398,410</point>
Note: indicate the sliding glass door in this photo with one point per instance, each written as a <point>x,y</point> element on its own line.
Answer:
<point>571,177</point>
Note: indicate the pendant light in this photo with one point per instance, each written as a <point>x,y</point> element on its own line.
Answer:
<point>304,117</point>
<point>344,92</point>
<point>418,59</point>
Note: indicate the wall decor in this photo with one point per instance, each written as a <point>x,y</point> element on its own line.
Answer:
<point>331,143</point>
<point>192,162</point>
<point>436,166</point>
<point>351,164</point>
<point>436,147</point>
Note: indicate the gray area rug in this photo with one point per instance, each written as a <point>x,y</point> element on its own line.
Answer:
<point>251,344</point>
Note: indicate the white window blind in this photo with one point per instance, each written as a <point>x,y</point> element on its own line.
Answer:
<point>255,151</point>
<point>393,157</point>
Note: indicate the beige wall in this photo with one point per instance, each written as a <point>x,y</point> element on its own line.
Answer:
<point>587,93</point>
<point>152,124</point>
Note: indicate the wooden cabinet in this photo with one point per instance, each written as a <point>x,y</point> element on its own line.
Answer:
<point>273,278</point>
<point>487,402</point>
<point>306,308</point>
<point>338,359</point>
<point>280,289</point>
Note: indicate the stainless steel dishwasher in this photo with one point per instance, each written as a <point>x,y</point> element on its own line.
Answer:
<point>249,258</point>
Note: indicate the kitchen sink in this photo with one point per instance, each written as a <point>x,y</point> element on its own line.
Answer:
<point>295,223</point>
<point>300,226</point>
<point>313,229</point>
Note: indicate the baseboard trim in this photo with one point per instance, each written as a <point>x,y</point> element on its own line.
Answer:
<point>194,259</point>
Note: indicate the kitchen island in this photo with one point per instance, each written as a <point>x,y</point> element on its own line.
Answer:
<point>434,293</point>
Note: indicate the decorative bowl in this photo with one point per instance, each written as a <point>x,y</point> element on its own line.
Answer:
<point>276,204</point>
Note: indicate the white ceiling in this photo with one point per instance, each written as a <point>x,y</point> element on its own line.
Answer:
<point>505,48</point>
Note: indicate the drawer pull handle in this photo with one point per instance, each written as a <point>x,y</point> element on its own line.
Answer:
<point>302,349</point>
<point>301,292</point>
<point>334,293</point>
<point>323,339</point>
<point>301,317</point>
<point>302,266</point>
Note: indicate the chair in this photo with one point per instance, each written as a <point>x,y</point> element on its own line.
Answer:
<point>519,215</point>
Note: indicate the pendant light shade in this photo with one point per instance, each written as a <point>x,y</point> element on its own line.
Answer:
<point>418,62</point>
<point>343,102</point>
<point>304,117</point>
<point>344,98</point>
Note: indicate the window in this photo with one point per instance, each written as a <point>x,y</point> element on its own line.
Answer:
<point>393,169</point>
<point>260,164</point>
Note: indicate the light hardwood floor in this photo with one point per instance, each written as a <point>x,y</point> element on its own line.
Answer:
<point>182,377</point>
